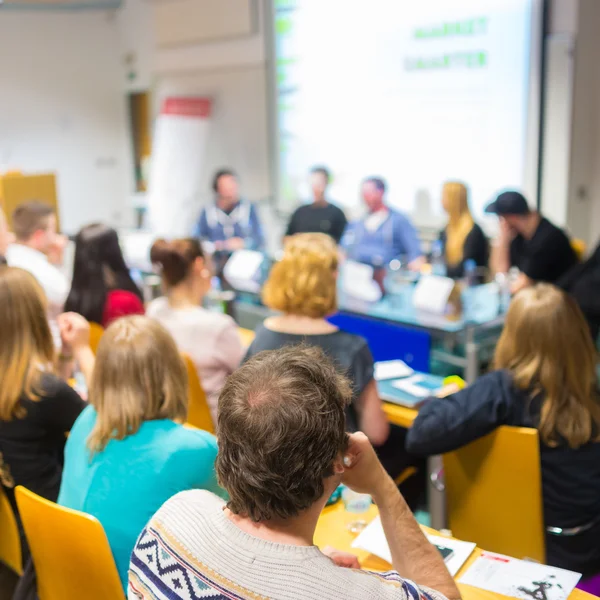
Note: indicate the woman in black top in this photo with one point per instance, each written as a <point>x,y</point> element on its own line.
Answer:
<point>302,285</point>
<point>37,408</point>
<point>102,288</point>
<point>545,379</point>
<point>462,239</point>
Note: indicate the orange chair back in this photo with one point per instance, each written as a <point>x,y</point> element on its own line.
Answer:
<point>247,336</point>
<point>70,551</point>
<point>580,247</point>
<point>10,542</point>
<point>96,332</point>
<point>494,493</point>
<point>198,412</point>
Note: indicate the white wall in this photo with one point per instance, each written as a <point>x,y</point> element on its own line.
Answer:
<point>62,109</point>
<point>571,163</point>
<point>233,73</point>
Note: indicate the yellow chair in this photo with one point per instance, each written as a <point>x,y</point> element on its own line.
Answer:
<point>96,332</point>
<point>494,493</point>
<point>10,542</point>
<point>70,551</point>
<point>580,247</point>
<point>198,412</point>
<point>247,336</point>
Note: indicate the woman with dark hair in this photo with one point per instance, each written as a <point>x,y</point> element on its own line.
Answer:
<point>102,289</point>
<point>210,339</point>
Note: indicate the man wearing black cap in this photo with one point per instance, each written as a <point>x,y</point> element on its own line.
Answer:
<point>540,250</point>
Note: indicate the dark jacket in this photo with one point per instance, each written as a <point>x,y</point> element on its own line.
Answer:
<point>583,283</point>
<point>570,478</point>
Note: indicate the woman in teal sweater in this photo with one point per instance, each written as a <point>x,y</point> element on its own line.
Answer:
<point>129,452</point>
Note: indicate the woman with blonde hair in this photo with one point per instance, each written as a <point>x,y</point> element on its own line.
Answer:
<point>545,378</point>
<point>129,451</point>
<point>302,286</point>
<point>462,239</point>
<point>37,408</point>
<point>210,339</point>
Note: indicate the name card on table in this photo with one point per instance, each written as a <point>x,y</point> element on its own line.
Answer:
<point>358,282</point>
<point>432,294</point>
<point>242,270</point>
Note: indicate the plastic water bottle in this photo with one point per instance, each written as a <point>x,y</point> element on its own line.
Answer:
<point>470,281</point>
<point>438,264</point>
<point>213,300</point>
<point>470,271</point>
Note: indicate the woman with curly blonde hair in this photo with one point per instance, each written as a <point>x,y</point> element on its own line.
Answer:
<point>302,287</point>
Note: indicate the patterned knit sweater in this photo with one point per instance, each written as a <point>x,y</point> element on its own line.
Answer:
<point>191,550</point>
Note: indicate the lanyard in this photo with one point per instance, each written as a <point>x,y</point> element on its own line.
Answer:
<point>240,215</point>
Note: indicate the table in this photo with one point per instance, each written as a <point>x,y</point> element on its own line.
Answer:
<point>332,531</point>
<point>403,416</point>
<point>478,328</point>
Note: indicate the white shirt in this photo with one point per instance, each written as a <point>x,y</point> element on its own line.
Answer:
<point>53,282</point>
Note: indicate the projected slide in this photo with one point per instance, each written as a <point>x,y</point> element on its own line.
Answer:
<point>418,92</point>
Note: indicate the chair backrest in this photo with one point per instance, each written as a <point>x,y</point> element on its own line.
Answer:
<point>10,541</point>
<point>198,412</point>
<point>96,332</point>
<point>70,551</point>
<point>494,493</point>
<point>579,247</point>
<point>247,336</point>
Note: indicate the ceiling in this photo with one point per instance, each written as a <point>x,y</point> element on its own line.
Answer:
<point>58,4</point>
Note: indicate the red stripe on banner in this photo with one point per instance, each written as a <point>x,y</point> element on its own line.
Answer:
<point>187,107</point>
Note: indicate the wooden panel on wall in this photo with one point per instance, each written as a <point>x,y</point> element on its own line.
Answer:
<point>180,22</point>
<point>16,189</point>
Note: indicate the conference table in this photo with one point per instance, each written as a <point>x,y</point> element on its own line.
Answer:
<point>394,328</point>
<point>477,328</point>
<point>332,530</point>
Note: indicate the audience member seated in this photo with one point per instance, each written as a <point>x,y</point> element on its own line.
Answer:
<point>211,339</point>
<point>545,379</point>
<point>583,283</point>
<point>527,240</point>
<point>384,234</point>
<point>320,216</point>
<point>462,239</point>
<point>37,408</point>
<point>129,452</point>
<point>302,285</point>
<point>38,249</point>
<point>283,450</point>
<point>102,289</point>
<point>230,223</point>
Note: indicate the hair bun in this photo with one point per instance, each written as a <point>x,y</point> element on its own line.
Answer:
<point>175,258</point>
<point>173,265</point>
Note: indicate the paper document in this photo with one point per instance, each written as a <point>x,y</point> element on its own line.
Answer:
<point>372,539</point>
<point>519,578</point>
<point>357,282</point>
<point>418,386</point>
<point>242,268</point>
<point>432,294</point>
<point>390,369</point>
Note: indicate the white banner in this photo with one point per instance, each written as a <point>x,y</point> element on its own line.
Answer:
<point>180,143</point>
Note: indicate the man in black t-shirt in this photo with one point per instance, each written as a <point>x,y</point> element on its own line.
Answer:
<point>540,250</point>
<point>320,216</point>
